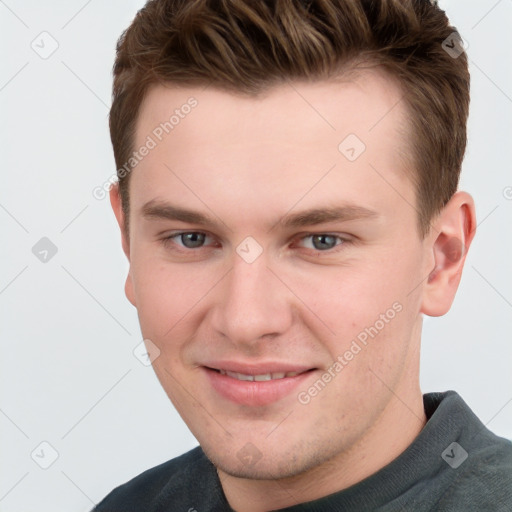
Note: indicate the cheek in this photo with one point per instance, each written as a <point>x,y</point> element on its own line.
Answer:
<point>360,310</point>
<point>173,300</point>
<point>165,294</point>
<point>168,305</point>
<point>347,298</point>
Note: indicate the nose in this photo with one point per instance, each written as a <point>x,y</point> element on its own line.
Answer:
<point>252,304</point>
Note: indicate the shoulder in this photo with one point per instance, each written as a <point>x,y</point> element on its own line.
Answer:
<point>484,482</point>
<point>152,487</point>
<point>484,477</point>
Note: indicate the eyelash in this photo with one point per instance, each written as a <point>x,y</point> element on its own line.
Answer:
<point>168,240</point>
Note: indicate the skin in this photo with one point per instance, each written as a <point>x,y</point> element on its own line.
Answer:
<point>248,163</point>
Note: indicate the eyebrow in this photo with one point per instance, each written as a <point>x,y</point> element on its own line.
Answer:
<point>164,211</point>
<point>322,215</point>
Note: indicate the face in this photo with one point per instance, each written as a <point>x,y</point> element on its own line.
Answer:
<point>274,263</point>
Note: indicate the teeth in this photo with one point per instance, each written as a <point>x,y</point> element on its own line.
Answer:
<point>240,376</point>
<point>259,378</point>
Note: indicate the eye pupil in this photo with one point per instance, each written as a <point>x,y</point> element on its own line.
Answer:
<point>192,240</point>
<point>324,241</point>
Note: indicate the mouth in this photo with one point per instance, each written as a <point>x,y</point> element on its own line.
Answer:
<point>259,378</point>
<point>255,386</point>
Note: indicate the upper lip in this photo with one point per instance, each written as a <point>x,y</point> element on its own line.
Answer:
<point>254,368</point>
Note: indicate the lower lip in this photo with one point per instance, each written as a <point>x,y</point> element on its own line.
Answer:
<point>254,393</point>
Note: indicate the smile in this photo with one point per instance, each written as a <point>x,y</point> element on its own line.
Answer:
<point>259,378</point>
<point>256,386</point>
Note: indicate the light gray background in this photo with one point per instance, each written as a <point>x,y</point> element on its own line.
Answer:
<point>68,374</point>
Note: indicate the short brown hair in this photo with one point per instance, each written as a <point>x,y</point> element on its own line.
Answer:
<point>247,46</point>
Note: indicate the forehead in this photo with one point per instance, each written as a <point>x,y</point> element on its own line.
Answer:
<point>355,102</point>
<point>276,144</point>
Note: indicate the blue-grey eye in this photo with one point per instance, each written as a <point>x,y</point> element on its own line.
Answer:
<point>192,240</point>
<point>324,242</point>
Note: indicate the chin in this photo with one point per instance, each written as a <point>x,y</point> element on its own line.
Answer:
<point>262,467</point>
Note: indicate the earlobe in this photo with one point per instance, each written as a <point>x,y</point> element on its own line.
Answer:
<point>454,231</point>
<point>128,289</point>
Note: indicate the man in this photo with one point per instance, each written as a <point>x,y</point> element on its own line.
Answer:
<point>288,204</point>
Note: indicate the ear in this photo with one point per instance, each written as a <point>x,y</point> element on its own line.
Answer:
<point>115,201</point>
<point>448,244</point>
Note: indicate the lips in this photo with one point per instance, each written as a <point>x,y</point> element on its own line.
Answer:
<point>255,384</point>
